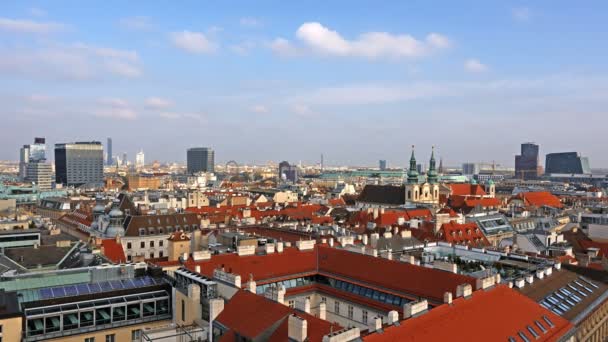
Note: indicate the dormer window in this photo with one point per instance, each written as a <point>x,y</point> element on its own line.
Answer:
<point>142,231</point>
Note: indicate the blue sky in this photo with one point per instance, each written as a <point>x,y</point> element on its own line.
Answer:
<point>271,80</point>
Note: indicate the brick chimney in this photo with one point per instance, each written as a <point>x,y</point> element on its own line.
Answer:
<point>375,324</point>
<point>415,308</point>
<point>393,317</point>
<point>297,329</point>
<point>447,297</point>
<point>464,290</point>
<point>280,247</point>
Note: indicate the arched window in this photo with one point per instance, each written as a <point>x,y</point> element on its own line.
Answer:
<point>409,194</point>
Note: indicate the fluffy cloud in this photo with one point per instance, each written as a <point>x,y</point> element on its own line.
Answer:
<point>474,65</point>
<point>29,26</point>
<point>316,38</point>
<point>193,42</point>
<point>138,23</point>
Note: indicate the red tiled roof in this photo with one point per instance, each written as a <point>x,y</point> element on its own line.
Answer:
<point>178,236</point>
<point>467,233</point>
<point>113,251</point>
<point>276,265</point>
<point>467,190</point>
<point>602,246</point>
<point>496,315</point>
<point>337,202</point>
<point>539,199</point>
<point>250,315</point>
<point>278,234</point>
<point>390,274</point>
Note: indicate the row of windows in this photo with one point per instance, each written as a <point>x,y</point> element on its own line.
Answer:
<point>369,293</point>
<point>303,281</point>
<point>152,255</point>
<point>142,244</point>
<point>165,230</point>
<point>350,311</point>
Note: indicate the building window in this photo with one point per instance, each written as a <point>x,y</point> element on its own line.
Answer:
<point>151,255</point>
<point>136,335</point>
<point>324,299</point>
<point>183,310</point>
<point>350,312</point>
<point>111,338</point>
<point>292,304</point>
<point>151,244</point>
<point>364,314</point>
<point>89,339</point>
<point>160,254</point>
<point>128,245</point>
<point>160,243</point>
<point>337,308</point>
<point>142,244</point>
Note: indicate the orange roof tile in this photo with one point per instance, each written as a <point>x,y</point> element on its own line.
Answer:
<point>467,190</point>
<point>496,314</point>
<point>540,198</point>
<point>113,251</point>
<point>467,233</point>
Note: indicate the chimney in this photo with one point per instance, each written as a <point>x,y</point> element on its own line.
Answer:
<point>364,239</point>
<point>185,256</point>
<point>344,335</point>
<point>375,324</point>
<point>323,311</point>
<point>251,286</point>
<point>540,274</point>
<point>375,213</point>
<point>447,297</point>
<point>464,290</point>
<point>331,242</point>
<point>529,279</point>
<point>280,247</point>
<point>415,308</point>
<point>406,234</point>
<point>197,269</point>
<point>558,266</point>
<point>393,317</point>
<point>307,305</point>
<point>408,259</point>
<point>297,329</point>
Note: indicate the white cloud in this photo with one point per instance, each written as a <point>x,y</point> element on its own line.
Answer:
<point>243,48</point>
<point>474,65</point>
<point>115,108</point>
<point>193,42</point>
<point>321,40</point>
<point>137,23</point>
<point>29,26</point>
<point>37,12</point>
<point>260,109</point>
<point>72,62</point>
<point>250,22</point>
<point>157,103</point>
<point>521,14</point>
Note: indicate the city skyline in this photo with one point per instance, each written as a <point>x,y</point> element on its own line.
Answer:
<point>474,82</point>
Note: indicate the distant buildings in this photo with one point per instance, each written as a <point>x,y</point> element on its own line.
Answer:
<point>32,165</point>
<point>288,172</point>
<point>567,162</point>
<point>382,165</point>
<point>139,159</point>
<point>24,158</point>
<point>109,159</point>
<point>200,159</point>
<point>470,169</point>
<point>79,163</point>
<point>527,164</point>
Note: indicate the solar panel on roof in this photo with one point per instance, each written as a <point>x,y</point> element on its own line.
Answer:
<point>116,284</point>
<point>46,293</point>
<point>105,286</point>
<point>71,291</point>
<point>138,282</point>
<point>58,292</point>
<point>128,283</point>
<point>148,281</point>
<point>589,282</point>
<point>94,288</point>
<point>83,289</point>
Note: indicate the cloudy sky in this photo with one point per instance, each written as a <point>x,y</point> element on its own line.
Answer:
<point>271,80</point>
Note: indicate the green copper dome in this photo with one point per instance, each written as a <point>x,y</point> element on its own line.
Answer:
<point>412,173</point>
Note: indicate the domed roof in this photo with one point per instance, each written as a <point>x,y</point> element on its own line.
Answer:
<point>99,208</point>
<point>115,212</point>
<point>473,181</point>
<point>490,182</point>
<point>112,231</point>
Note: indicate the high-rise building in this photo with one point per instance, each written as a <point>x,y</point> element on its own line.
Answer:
<point>200,159</point>
<point>38,151</point>
<point>382,164</point>
<point>567,162</point>
<point>79,163</point>
<point>139,159</point>
<point>527,163</point>
<point>125,162</point>
<point>109,160</point>
<point>288,172</point>
<point>40,174</point>
<point>24,158</point>
<point>470,169</point>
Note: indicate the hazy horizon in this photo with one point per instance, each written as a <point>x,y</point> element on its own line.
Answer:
<point>277,80</point>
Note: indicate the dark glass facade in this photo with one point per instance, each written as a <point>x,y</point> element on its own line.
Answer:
<point>567,162</point>
<point>200,159</point>
<point>527,163</point>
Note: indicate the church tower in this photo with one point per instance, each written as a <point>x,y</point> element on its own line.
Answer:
<point>412,173</point>
<point>426,193</point>
<point>431,175</point>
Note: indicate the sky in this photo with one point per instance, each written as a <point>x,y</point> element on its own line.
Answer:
<point>356,81</point>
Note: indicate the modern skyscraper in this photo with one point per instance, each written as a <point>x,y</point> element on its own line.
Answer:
<point>38,151</point>
<point>110,159</point>
<point>40,174</point>
<point>470,169</point>
<point>24,159</point>
<point>125,162</point>
<point>527,163</point>
<point>200,159</point>
<point>567,162</point>
<point>79,163</point>
<point>288,172</point>
<point>139,159</point>
<point>382,165</point>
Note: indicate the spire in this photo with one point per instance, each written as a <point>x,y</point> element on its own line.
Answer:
<point>412,173</point>
<point>432,173</point>
<point>440,169</point>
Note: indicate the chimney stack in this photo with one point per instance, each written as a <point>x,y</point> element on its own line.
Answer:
<point>280,247</point>
<point>375,324</point>
<point>393,317</point>
<point>197,269</point>
<point>414,308</point>
<point>447,297</point>
<point>297,329</point>
<point>323,311</point>
<point>464,290</point>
